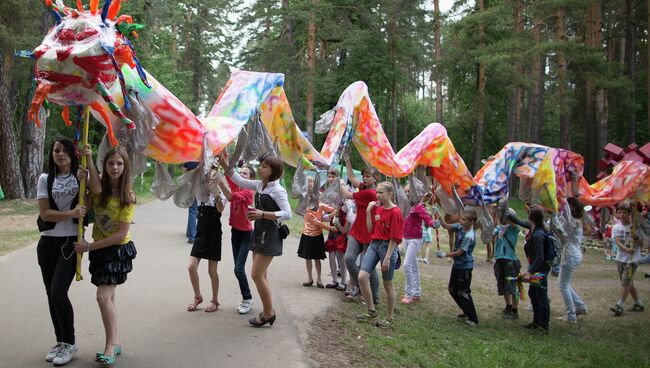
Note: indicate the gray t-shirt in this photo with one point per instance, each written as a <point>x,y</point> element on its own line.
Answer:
<point>64,189</point>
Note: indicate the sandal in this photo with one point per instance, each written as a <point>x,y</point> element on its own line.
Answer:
<point>212,307</point>
<point>308,283</point>
<point>193,306</point>
<point>320,285</point>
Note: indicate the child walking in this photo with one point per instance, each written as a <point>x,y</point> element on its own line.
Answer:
<point>460,281</point>
<point>385,224</point>
<point>412,243</point>
<point>628,256</point>
<point>207,244</point>
<point>506,263</point>
<point>112,251</point>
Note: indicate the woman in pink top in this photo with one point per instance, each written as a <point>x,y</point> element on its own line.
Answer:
<point>412,244</point>
<point>312,242</point>
<point>241,232</point>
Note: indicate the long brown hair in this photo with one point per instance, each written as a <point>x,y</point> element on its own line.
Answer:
<point>124,187</point>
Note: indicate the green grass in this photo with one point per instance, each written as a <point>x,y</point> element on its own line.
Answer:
<point>429,335</point>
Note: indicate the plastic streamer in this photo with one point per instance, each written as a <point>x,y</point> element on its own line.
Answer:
<point>163,186</point>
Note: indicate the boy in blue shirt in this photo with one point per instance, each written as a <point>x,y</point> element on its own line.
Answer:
<point>460,280</point>
<point>507,264</point>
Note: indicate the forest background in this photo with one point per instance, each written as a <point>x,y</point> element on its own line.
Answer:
<point>563,73</point>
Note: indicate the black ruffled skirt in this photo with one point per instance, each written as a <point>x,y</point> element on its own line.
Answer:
<point>311,247</point>
<point>110,265</point>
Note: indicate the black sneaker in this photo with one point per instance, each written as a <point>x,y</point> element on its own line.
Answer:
<point>617,309</point>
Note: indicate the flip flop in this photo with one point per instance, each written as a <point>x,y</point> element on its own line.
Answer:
<point>193,306</point>
<point>212,307</point>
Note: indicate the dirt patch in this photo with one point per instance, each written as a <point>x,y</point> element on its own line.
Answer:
<point>17,223</point>
<point>331,345</point>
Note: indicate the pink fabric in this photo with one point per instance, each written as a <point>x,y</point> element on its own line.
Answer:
<point>413,222</point>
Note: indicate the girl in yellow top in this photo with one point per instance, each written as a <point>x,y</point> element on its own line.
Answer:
<point>112,251</point>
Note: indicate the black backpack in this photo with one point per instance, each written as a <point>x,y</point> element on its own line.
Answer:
<point>552,249</point>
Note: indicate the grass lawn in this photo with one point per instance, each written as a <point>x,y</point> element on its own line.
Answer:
<point>429,335</point>
<point>18,217</point>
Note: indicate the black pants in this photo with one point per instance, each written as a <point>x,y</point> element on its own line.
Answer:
<point>539,299</point>
<point>57,259</point>
<point>459,289</point>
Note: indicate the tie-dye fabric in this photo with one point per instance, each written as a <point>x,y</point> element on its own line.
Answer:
<point>629,180</point>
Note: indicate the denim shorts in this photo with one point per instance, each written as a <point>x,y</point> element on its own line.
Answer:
<point>375,254</point>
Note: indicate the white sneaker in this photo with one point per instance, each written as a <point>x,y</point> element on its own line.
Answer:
<point>245,306</point>
<point>53,353</point>
<point>65,355</point>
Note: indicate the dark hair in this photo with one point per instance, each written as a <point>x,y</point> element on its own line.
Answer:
<point>124,189</point>
<point>623,207</point>
<point>536,216</point>
<point>275,163</point>
<point>250,171</point>
<point>577,208</point>
<point>470,215</point>
<point>72,152</point>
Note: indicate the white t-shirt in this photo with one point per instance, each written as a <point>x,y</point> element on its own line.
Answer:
<point>624,234</point>
<point>64,189</point>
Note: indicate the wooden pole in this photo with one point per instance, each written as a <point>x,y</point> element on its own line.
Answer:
<point>82,187</point>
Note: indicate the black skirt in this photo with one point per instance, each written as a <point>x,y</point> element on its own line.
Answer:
<point>311,247</point>
<point>110,265</point>
<point>207,243</point>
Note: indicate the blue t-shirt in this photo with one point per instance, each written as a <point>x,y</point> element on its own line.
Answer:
<point>465,241</point>
<point>504,248</point>
<point>191,165</point>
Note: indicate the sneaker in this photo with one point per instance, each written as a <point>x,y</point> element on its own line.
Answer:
<point>582,312</point>
<point>471,323</point>
<point>425,260</point>
<point>340,287</point>
<point>385,323</point>
<point>637,308</point>
<point>567,319</point>
<point>190,240</point>
<point>368,316</point>
<point>332,285</point>
<point>65,354</point>
<point>245,306</point>
<point>617,309</point>
<point>53,353</point>
<point>355,292</point>
<point>510,315</point>
<point>505,311</point>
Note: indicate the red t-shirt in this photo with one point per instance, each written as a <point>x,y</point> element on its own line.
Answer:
<point>387,224</point>
<point>359,229</point>
<point>239,201</point>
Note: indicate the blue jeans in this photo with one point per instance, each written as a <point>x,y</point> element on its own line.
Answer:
<point>241,244</point>
<point>375,254</point>
<point>351,254</point>
<point>191,220</point>
<point>572,300</point>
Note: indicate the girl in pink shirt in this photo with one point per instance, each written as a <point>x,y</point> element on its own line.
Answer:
<point>412,244</point>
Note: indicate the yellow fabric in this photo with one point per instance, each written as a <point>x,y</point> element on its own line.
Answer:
<point>108,218</point>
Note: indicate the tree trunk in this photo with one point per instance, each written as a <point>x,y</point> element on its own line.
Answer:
<point>480,113</point>
<point>31,152</point>
<point>560,35</point>
<point>514,111</point>
<point>311,68</point>
<point>10,178</point>
<point>535,118</point>
<point>630,69</point>
<point>591,30</point>
<point>392,51</point>
<point>288,23</point>
<point>437,71</point>
<point>647,46</point>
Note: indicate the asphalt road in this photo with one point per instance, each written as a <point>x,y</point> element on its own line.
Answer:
<point>154,327</point>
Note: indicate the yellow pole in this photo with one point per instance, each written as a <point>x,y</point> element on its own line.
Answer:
<point>82,187</point>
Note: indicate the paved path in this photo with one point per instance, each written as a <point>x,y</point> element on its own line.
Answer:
<point>154,328</point>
